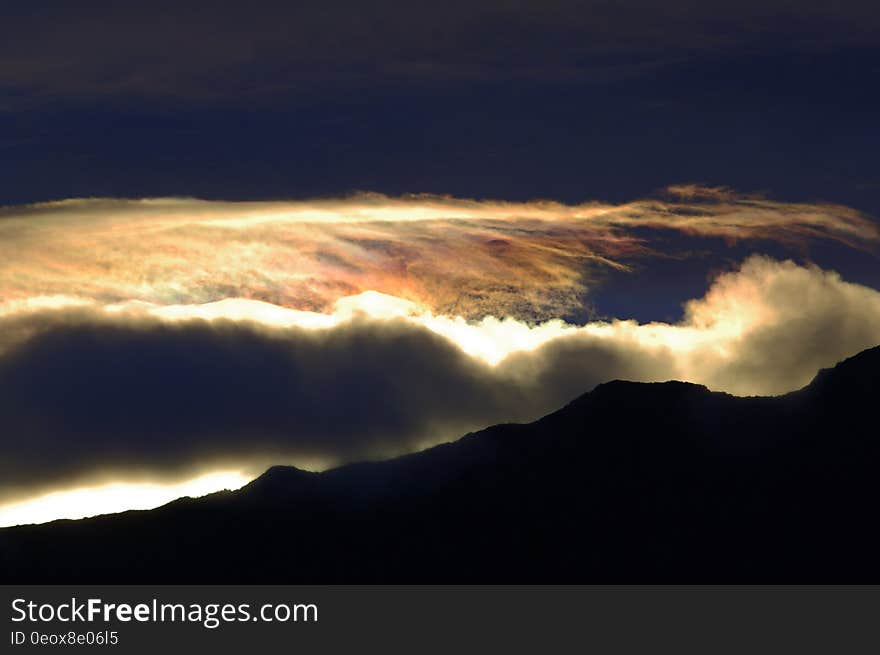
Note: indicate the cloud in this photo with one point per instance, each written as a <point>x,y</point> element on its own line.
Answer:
<point>159,341</point>
<point>96,393</point>
<point>774,324</point>
<point>533,261</point>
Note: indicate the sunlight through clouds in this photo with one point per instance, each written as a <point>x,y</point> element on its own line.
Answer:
<point>170,337</point>
<point>84,502</point>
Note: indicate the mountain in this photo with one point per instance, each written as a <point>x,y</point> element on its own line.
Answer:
<point>630,483</point>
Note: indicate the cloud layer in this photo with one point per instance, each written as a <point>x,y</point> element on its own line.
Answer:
<point>533,261</point>
<point>160,341</point>
<point>98,394</point>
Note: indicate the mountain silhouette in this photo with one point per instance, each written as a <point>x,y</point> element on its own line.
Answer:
<point>630,483</point>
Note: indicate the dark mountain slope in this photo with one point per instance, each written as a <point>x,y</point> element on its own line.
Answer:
<point>630,483</point>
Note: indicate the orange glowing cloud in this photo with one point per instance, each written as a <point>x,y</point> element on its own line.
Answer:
<point>533,261</point>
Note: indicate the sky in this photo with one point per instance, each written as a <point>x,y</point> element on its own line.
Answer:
<point>309,233</point>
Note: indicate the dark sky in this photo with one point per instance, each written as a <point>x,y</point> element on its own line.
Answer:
<point>565,100</point>
<point>569,100</point>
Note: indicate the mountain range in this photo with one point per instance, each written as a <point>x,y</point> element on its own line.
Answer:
<point>630,483</point>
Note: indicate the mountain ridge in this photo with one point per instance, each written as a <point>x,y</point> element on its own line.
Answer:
<point>630,482</point>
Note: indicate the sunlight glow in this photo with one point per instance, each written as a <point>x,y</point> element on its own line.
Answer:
<point>116,497</point>
<point>489,339</point>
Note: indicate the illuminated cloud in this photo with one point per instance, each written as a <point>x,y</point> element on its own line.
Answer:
<point>166,394</point>
<point>532,261</point>
<point>153,342</point>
